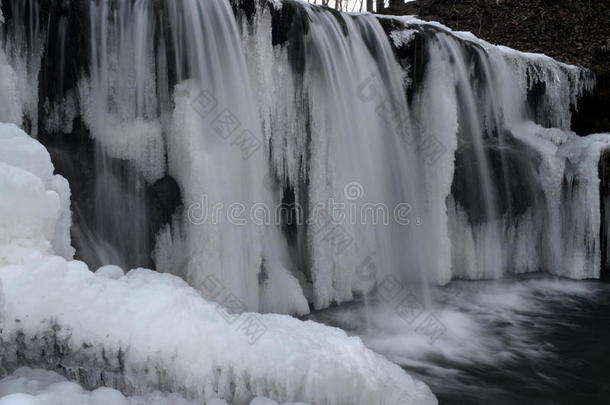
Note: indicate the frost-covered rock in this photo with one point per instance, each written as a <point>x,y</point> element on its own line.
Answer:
<point>35,205</point>
<point>28,386</point>
<point>148,331</point>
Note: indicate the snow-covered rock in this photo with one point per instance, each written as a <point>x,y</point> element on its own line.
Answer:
<point>149,330</point>
<point>28,386</point>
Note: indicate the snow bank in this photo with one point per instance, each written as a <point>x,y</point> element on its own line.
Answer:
<point>35,204</point>
<point>148,330</point>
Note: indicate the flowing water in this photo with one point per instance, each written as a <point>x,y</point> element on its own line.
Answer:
<point>529,340</point>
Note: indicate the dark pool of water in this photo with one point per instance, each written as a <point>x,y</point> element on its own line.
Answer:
<point>511,342</point>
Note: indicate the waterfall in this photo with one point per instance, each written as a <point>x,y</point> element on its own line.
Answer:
<point>301,156</point>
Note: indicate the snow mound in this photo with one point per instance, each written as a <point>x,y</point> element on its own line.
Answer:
<point>148,330</point>
<point>35,204</point>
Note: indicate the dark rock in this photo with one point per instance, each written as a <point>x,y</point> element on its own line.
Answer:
<point>592,114</point>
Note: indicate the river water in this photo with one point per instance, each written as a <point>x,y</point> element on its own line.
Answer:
<point>534,340</point>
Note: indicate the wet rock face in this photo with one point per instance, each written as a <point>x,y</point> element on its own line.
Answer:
<point>89,366</point>
<point>593,113</point>
<point>604,193</point>
<point>66,52</point>
<point>412,56</point>
<point>245,7</point>
<point>289,26</point>
<point>515,188</point>
<point>74,157</point>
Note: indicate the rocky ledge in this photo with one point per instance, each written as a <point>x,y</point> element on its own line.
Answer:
<point>572,31</point>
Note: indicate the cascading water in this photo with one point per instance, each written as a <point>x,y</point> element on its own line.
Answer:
<point>336,144</point>
<point>250,106</point>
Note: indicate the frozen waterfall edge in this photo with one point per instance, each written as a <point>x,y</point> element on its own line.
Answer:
<point>144,330</point>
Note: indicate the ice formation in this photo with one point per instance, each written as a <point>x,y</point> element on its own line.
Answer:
<point>10,108</point>
<point>255,105</point>
<point>28,386</point>
<point>35,206</point>
<point>144,330</point>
